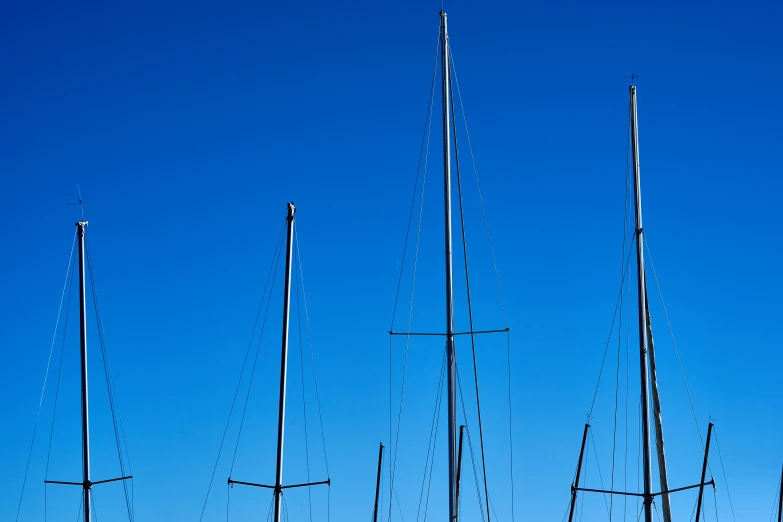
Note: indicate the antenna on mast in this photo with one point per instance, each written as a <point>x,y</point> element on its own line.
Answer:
<point>79,201</point>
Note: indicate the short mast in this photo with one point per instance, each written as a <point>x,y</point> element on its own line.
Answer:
<point>279,487</point>
<point>284,364</point>
<point>86,484</point>
<point>450,354</point>
<point>378,484</point>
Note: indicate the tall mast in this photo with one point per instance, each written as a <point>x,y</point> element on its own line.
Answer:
<point>450,355</point>
<point>284,365</point>
<point>642,295</point>
<point>86,484</point>
<point>646,348</point>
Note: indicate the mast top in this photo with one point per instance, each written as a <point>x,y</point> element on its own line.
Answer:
<point>291,209</point>
<point>81,224</point>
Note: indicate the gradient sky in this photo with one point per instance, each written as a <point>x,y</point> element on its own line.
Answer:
<point>189,125</point>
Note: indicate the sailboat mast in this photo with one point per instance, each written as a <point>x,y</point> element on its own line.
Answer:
<point>642,296</point>
<point>86,484</point>
<point>284,364</point>
<point>378,484</point>
<point>451,362</point>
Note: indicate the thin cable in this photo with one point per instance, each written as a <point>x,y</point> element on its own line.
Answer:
<point>775,500</point>
<point>565,514</point>
<point>616,404</point>
<point>674,342</point>
<point>495,268</point>
<point>626,212</point>
<point>241,374</point>
<point>581,508</point>
<point>433,441</point>
<point>470,307</point>
<point>109,381</point>
<point>693,511</point>
<point>425,139</point>
<point>271,503</point>
<point>725,479</point>
<point>715,501</point>
<point>639,453</point>
<point>94,511</point>
<point>57,389</point>
<point>481,198</point>
<point>396,440</point>
<point>310,341</point>
<point>619,349</point>
<point>598,465</point>
<point>258,350</point>
<point>81,504</point>
<point>304,400</point>
<point>46,377</point>
<point>470,447</point>
<point>611,329</point>
<point>510,434</point>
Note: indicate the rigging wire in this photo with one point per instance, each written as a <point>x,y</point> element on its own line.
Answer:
<point>81,504</point>
<point>626,200</point>
<point>674,342</point>
<point>775,500</point>
<point>271,503</point>
<point>693,511</point>
<point>94,511</point>
<point>584,497</point>
<point>616,403</point>
<point>426,148</point>
<point>715,501</point>
<point>304,399</point>
<point>598,465</point>
<point>639,454</point>
<point>312,355</point>
<point>258,350</point>
<point>470,447</point>
<point>467,287</point>
<point>429,462</point>
<point>611,329</point>
<point>725,479</point>
<point>57,389</point>
<point>626,211</point>
<point>565,513</point>
<point>497,277</point>
<point>113,402</point>
<point>275,256</point>
<point>481,198</point>
<point>46,375</point>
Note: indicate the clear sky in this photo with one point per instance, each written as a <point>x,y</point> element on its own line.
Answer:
<point>189,126</point>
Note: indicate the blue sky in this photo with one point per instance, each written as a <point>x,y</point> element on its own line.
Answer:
<point>189,126</point>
